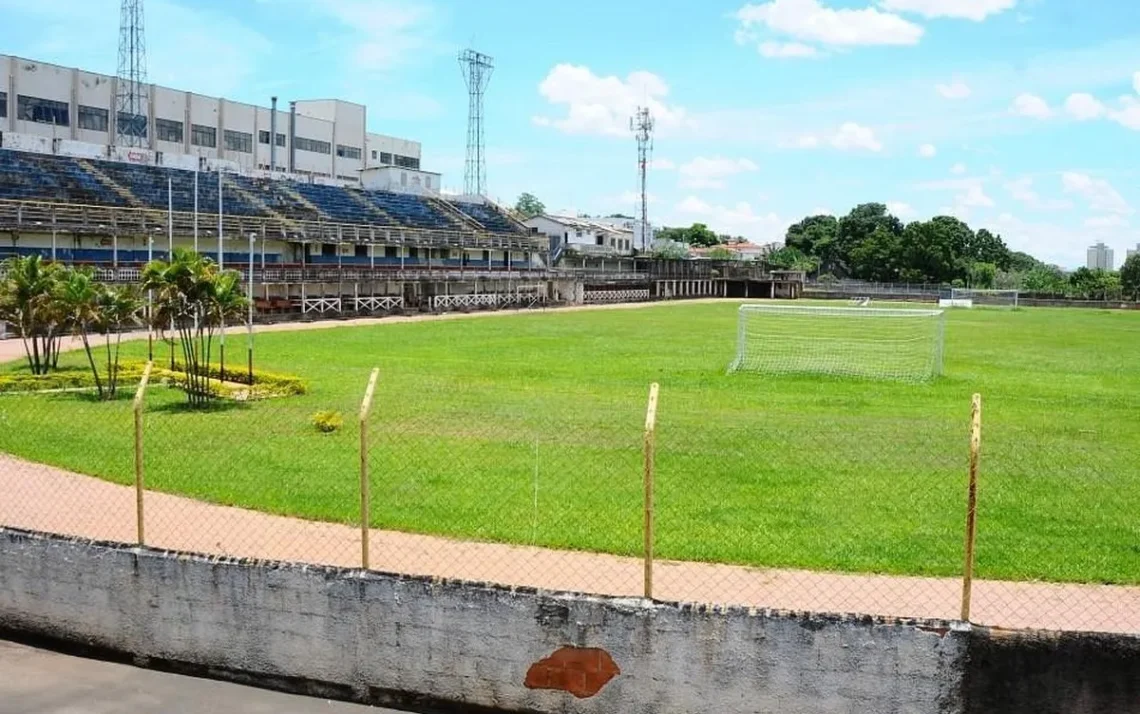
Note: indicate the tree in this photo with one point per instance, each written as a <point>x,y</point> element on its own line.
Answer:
<point>983,275</point>
<point>817,236</point>
<point>856,227</point>
<point>79,298</point>
<point>878,257</point>
<point>528,206</point>
<point>195,298</point>
<point>719,252</point>
<point>670,250</point>
<point>699,234</point>
<point>933,251</point>
<point>1130,276</point>
<point>118,310</point>
<point>985,247</point>
<point>789,258</point>
<point>1023,262</point>
<point>28,300</point>
<point>1045,280</point>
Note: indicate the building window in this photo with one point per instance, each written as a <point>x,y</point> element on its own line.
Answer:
<point>342,177</point>
<point>239,141</point>
<point>42,111</point>
<point>413,252</point>
<point>317,147</point>
<point>347,152</point>
<point>167,130</point>
<point>407,162</point>
<point>373,155</point>
<point>4,110</point>
<point>93,118</point>
<point>385,158</point>
<point>206,136</point>
<point>263,138</point>
<point>391,251</point>
<point>132,124</point>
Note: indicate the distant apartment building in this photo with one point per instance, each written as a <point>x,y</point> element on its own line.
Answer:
<point>1100,257</point>
<point>1134,251</point>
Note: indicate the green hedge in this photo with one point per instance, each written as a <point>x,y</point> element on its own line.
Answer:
<point>73,378</point>
<point>265,384</point>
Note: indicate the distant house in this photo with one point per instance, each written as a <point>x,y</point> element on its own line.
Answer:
<point>740,251</point>
<point>584,235</point>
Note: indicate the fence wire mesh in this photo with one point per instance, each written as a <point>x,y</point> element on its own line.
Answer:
<point>489,473</point>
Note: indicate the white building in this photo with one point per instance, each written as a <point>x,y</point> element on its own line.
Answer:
<point>630,224</point>
<point>320,138</point>
<point>1100,257</point>
<point>1134,251</point>
<point>585,235</point>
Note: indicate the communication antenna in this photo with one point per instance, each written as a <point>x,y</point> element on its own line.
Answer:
<point>132,102</point>
<point>477,69</point>
<point>641,124</point>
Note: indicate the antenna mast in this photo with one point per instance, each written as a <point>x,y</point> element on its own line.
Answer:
<point>477,69</point>
<point>132,101</point>
<point>642,127</point>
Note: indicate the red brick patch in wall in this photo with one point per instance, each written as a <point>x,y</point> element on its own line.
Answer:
<point>581,671</point>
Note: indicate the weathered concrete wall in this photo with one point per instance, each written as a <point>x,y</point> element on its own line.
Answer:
<point>394,640</point>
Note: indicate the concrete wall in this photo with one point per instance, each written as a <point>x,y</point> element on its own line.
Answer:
<point>451,646</point>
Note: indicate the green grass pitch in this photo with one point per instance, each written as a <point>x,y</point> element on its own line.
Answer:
<point>528,429</point>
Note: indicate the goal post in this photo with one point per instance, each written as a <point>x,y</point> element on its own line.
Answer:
<point>876,343</point>
<point>986,298</point>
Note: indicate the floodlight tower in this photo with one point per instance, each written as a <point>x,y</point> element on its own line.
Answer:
<point>641,124</point>
<point>132,101</point>
<point>477,69</point>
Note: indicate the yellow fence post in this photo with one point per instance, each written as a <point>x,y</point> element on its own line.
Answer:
<point>650,444</point>
<point>138,409</point>
<point>972,504</point>
<point>365,498</point>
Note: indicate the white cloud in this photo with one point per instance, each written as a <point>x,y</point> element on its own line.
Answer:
<point>1022,190</point>
<point>976,10</point>
<point>704,172</point>
<point>787,50</point>
<point>958,169</point>
<point>954,90</point>
<point>810,21</point>
<point>1083,107</point>
<point>928,151</point>
<point>852,136</point>
<point>806,141</point>
<point>1098,193</point>
<point>902,211</point>
<point>1053,242</point>
<point>380,34</point>
<point>603,105</point>
<point>968,193</point>
<point>1030,105</point>
<point>1114,221</point>
<point>662,164</point>
<point>739,219</point>
<point>632,198</point>
<point>1128,115</point>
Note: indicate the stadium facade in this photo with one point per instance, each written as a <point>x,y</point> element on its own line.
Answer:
<point>321,216</point>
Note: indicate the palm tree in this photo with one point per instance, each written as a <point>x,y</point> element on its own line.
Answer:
<point>28,302</point>
<point>194,298</point>
<point>118,308</point>
<point>77,300</point>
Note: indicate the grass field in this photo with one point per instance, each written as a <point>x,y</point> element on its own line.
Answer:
<point>527,429</point>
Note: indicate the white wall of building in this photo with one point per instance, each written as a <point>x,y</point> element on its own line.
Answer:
<point>329,121</point>
<point>392,178</point>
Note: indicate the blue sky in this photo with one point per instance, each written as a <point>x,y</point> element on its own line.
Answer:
<point>1018,115</point>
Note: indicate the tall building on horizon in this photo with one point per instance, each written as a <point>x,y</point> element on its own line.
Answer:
<point>1133,251</point>
<point>1100,257</point>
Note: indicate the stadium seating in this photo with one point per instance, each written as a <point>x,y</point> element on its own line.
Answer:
<point>46,177</point>
<point>488,216</point>
<point>25,176</point>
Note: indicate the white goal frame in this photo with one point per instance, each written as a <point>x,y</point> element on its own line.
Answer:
<point>877,343</point>
<point>985,297</point>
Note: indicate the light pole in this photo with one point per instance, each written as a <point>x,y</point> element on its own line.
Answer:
<point>249,321</point>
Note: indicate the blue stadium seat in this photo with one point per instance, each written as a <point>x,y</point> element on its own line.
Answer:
<point>26,176</point>
<point>488,216</point>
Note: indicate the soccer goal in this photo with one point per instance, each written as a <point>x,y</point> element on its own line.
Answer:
<point>985,298</point>
<point>878,343</point>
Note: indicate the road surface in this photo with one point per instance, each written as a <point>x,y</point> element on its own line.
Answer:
<point>34,681</point>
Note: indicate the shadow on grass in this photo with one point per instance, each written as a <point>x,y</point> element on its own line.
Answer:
<point>214,406</point>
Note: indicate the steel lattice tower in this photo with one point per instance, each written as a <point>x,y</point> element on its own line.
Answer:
<point>132,100</point>
<point>642,127</point>
<point>477,69</point>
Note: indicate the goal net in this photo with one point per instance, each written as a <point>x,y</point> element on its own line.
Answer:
<point>878,343</point>
<point>985,298</point>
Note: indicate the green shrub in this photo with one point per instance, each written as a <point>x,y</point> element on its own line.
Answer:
<point>265,384</point>
<point>327,421</point>
<point>63,379</point>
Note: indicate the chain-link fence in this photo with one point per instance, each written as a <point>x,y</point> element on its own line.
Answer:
<point>727,498</point>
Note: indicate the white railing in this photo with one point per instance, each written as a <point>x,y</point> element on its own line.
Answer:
<point>321,305</point>
<point>446,302</point>
<point>615,295</point>
<point>378,304</point>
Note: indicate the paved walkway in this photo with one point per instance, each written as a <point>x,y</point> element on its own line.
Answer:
<point>34,681</point>
<point>43,498</point>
